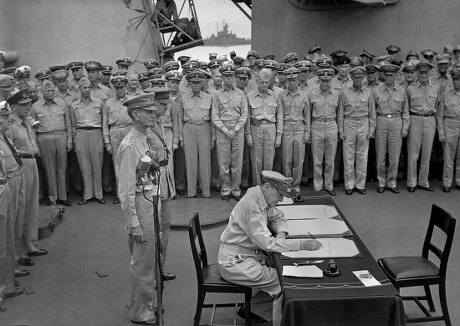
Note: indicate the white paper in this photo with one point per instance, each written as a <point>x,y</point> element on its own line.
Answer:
<point>332,248</point>
<point>303,271</point>
<point>366,278</point>
<point>317,227</point>
<point>286,201</point>
<point>296,212</point>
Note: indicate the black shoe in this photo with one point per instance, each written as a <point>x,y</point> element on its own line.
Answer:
<point>336,183</point>
<point>216,189</point>
<point>445,188</point>
<point>14,293</point>
<point>2,307</point>
<point>458,187</point>
<point>380,189</point>
<point>26,262</point>
<point>348,191</point>
<point>305,183</point>
<point>168,276</point>
<point>117,201</point>
<point>411,189</point>
<point>51,203</point>
<point>101,200</point>
<point>191,196</point>
<point>237,197</point>
<point>425,188</point>
<point>226,197</point>
<point>21,273</point>
<point>84,201</point>
<point>394,190</point>
<point>199,191</point>
<point>242,314</point>
<point>180,192</point>
<point>331,192</point>
<point>151,321</point>
<point>361,191</point>
<point>64,202</point>
<point>39,252</point>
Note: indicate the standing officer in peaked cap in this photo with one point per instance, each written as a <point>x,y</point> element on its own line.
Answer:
<point>149,64</point>
<point>76,67</point>
<point>367,56</point>
<point>106,73</point>
<point>123,63</point>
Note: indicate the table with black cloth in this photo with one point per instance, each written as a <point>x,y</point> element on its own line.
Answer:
<point>342,300</point>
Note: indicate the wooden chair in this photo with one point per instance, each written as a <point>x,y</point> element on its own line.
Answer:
<point>411,271</point>
<point>209,279</point>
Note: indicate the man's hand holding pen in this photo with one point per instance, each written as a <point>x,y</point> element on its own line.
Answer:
<point>311,245</point>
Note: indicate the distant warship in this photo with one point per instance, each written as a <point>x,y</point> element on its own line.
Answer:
<point>224,37</point>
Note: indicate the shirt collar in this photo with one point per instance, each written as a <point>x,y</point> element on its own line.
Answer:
<point>138,135</point>
<point>14,118</point>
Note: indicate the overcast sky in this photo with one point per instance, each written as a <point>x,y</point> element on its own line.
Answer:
<point>211,12</point>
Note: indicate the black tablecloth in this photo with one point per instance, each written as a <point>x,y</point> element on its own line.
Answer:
<point>341,300</point>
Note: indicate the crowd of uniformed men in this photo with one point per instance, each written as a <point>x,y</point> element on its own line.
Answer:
<point>327,118</point>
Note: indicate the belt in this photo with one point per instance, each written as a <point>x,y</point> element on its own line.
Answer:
<point>21,155</point>
<point>238,249</point>
<point>425,115</point>
<point>256,122</point>
<point>323,119</point>
<point>56,132</point>
<point>88,128</point>
<point>196,123</point>
<point>121,125</point>
<point>391,115</point>
<point>451,118</point>
<point>356,118</point>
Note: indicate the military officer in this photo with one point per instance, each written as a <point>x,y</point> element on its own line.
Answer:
<point>6,86</point>
<point>41,75</point>
<point>106,73</point>
<point>423,97</point>
<point>448,122</point>
<point>281,81</point>
<point>305,83</point>
<point>116,122</point>
<point>22,76</point>
<point>123,63</point>
<point>150,64</point>
<point>229,115</point>
<point>264,126</point>
<point>76,67</point>
<point>367,56</point>
<point>54,135</point>
<point>294,104</point>
<point>238,62</point>
<point>428,55</point>
<point>215,83</point>
<point>133,87</point>
<point>356,122</point>
<point>412,55</point>
<point>136,191</point>
<point>392,125</point>
<point>93,68</point>
<point>88,141</point>
<point>195,113</point>
<point>441,77</point>
<point>170,65</point>
<point>290,58</point>
<point>59,78</point>
<point>187,68</point>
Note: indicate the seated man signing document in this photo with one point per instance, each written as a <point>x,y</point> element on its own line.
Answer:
<point>249,231</point>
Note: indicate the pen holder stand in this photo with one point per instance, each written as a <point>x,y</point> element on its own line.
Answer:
<point>332,269</point>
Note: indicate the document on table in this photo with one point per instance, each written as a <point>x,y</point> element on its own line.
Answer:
<point>332,248</point>
<point>303,271</point>
<point>296,212</point>
<point>321,227</point>
<point>366,278</point>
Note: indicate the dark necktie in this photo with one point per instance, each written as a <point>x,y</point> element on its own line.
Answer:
<point>13,150</point>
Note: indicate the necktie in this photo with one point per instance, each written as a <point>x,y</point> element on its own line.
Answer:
<point>13,150</point>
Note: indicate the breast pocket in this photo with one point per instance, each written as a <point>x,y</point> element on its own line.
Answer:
<point>432,99</point>
<point>416,100</point>
<point>204,111</point>
<point>271,108</point>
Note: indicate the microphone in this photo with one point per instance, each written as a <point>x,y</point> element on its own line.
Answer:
<point>143,166</point>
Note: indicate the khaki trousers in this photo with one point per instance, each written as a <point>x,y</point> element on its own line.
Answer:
<point>7,250</point>
<point>323,147</point>
<point>230,157</point>
<point>355,149</point>
<point>89,148</point>
<point>263,149</point>
<point>169,143</point>
<point>419,144</point>
<point>53,150</point>
<point>293,151</point>
<point>180,175</point>
<point>17,186</point>
<point>451,152</point>
<point>31,212</point>
<point>388,140</point>
<point>116,136</point>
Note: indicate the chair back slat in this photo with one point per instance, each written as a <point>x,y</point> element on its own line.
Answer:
<point>198,249</point>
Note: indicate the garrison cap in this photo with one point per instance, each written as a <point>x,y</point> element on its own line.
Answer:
<point>411,53</point>
<point>393,48</point>
<point>269,57</point>
<point>389,68</point>
<point>290,57</point>
<point>326,73</point>
<point>6,81</point>
<point>314,48</point>
<point>424,66</point>
<point>84,81</point>
<point>151,63</point>
<point>270,64</point>
<point>92,65</point>
<point>124,61</point>
<point>260,63</point>
<point>119,81</point>
<point>171,65</point>
<point>213,64</point>
<point>106,69</point>
<point>23,71</point>
<point>162,95</point>
<point>428,52</point>
<point>253,53</point>
<point>227,70</point>
<point>212,56</point>
<point>291,73</point>
<point>443,58</point>
<point>238,60</point>
<point>143,76</point>
<point>368,54</point>
<point>43,73</point>
<point>120,73</point>
<point>59,74</point>
<point>356,61</point>
<point>455,72</point>
<point>203,65</point>
<point>338,53</point>
<point>281,67</point>
<point>342,60</point>
<point>456,49</point>
<point>357,71</point>
<point>9,71</point>
<point>411,66</point>
<point>158,82</point>
<point>173,75</point>
<point>195,75</point>
<point>57,67</point>
<point>75,65</point>
<point>143,101</point>
<point>183,59</point>
<point>19,98</point>
<point>243,72</point>
<point>278,181</point>
<point>371,68</point>
<point>5,109</point>
<point>303,65</point>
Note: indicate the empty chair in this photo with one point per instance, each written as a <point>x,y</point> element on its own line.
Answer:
<point>209,279</point>
<point>409,271</point>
